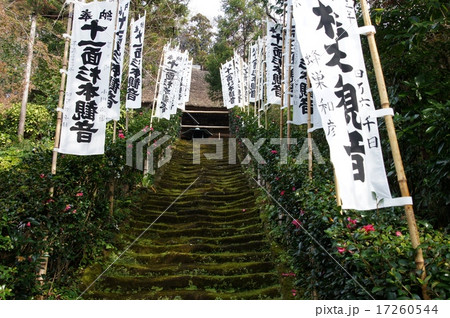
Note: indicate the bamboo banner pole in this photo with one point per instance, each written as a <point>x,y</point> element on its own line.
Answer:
<point>241,77</point>
<point>114,41</point>
<point>61,93</point>
<point>112,185</point>
<point>153,110</point>
<point>401,176</point>
<point>310,150</point>
<point>157,85</point>
<point>283,48</point>
<point>266,110</point>
<point>249,60</point>
<point>258,85</point>
<point>289,50</point>
<point>44,263</point>
<point>257,88</point>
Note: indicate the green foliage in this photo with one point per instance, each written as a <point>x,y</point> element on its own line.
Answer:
<point>220,53</point>
<point>39,123</point>
<point>373,247</point>
<point>74,226</point>
<point>412,37</point>
<point>241,24</point>
<point>196,38</point>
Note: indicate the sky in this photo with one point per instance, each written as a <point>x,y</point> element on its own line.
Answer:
<point>209,8</point>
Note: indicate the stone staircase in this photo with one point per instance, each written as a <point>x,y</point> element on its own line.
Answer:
<point>210,244</point>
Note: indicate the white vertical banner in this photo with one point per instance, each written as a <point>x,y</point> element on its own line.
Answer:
<point>188,79</point>
<point>330,44</point>
<point>182,86</point>
<point>289,57</point>
<point>134,88</point>
<point>229,87</point>
<point>178,81</point>
<point>115,81</point>
<point>274,48</point>
<point>246,82</point>
<point>238,79</point>
<point>169,85</point>
<point>261,59</point>
<point>86,99</point>
<point>225,93</point>
<point>253,61</point>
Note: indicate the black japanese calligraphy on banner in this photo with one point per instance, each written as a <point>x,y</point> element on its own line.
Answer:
<point>246,82</point>
<point>134,87</point>
<point>186,82</point>
<point>253,70</point>
<point>86,98</point>
<point>261,58</point>
<point>330,45</point>
<point>225,94</point>
<point>274,48</point>
<point>115,81</point>
<point>170,82</point>
<point>229,84</point>
<point>238,80</point>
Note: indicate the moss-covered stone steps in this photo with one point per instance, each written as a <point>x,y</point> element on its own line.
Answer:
<point>192,293</point>
<point>212,269</point>
<point>235,282</point>
<point>209,244</point>
<point>215,232</point>
<point>234,239</point>
<point>199,248</point>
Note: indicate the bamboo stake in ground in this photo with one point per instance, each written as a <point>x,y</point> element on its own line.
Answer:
<point>44,262</point>
<point>289,68</point>
<point>153,110</point>
<point>23,109</point>
<point>310,150</point>
<point>61,94</point>
<point>401,176</point>
<point>258,85</point>
<point>283,48</point>
<point>266,110</point>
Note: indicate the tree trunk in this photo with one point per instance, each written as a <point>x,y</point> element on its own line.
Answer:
<point>23,110</point>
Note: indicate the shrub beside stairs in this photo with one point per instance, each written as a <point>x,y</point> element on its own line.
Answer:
<point>210,244</point>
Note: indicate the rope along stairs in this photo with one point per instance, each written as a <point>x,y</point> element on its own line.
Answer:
<point>210,244</point>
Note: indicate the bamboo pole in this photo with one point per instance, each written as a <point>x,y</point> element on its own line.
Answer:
<point>61,94</point>
<point>401,176</point>
<point>114,41</point>
<point>266,110</point>
<point>283,48</point>
<point>337,189</point>
<point>249,60</point>
<point>257,88</point>
<point>153,110</point>
<point>26,88</point>
<point>157,84</point>
<point>310,150</point>
<point>44,262</point>
<point>289,50</point>
<point>258,85</point>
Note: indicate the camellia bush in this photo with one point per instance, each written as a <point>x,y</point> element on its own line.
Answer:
<point>337,254</point>
<point>72,227</point>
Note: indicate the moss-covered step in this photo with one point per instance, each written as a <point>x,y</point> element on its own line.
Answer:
<point>209,244</point>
